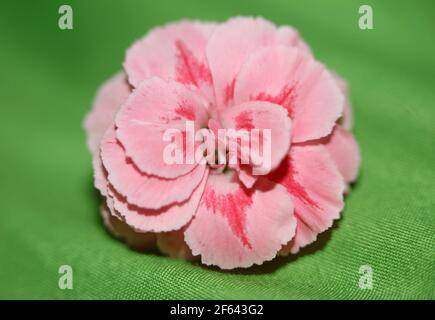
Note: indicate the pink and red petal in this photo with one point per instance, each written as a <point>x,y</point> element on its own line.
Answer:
<point>175,51</point>
<point>111,95</point>
<point>140,189</point>
<point>142,123</point>
<point>346,120</point>
<point>316,187</point>
<point>238,38</point>
<point>344,151</point>
<point>235,227</point>
<point>228,48</point>
<point>246,175</point>
<point>168,218</point>
<point>293,79</point>
<point>100,174</point>
<point>261,116</point>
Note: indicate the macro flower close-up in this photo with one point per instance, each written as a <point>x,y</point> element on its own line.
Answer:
<point>217,155</point>
<point>244,74</point>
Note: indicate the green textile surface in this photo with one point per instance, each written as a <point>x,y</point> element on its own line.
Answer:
<point>49,208</point>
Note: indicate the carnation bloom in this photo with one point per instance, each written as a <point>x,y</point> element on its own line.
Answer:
<point>247,73</point>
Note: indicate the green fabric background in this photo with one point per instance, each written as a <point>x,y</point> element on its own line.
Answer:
<point>49,210</point>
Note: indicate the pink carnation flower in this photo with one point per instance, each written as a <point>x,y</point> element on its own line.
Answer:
<point>243,73</point>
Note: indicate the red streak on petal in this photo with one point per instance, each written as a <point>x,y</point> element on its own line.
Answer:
<point>184,146</point>
<point>188,69</point>
<point>284,98</point>
<point>244,121</point>
<point>233,207</point>
<point>285,175</point>
<point>186,111</point>
<point>181,142</point>
<point>229,91</point>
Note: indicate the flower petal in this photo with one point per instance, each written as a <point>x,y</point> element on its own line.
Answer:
<point>246,176</point>
<point>289,36</point>
<point>235,227</point>
<point>168,218</point>
<point>344,150</point>
<point>261,116</point>
<point>151,109</point>
<point>175,51</point>
<point>100,174</point>
<point>140,189</point>
<point>228,47</point>
<point>293,79</point>
<point>107,102</point>
<point>316,187</point>
<point>346,121</point>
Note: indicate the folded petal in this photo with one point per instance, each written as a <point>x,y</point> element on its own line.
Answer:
<point>142,123</point>
<point>168,218</point>
<point>140,189</point>
<point>175,51</point>
<point>293,79</point>
<point>246,176</point>
<point>235,227</point>
<point>344,150</point>
<point>229,46</point>
<point>346,120</point>
<point>244,173</point>
<point>100,174</point>
<point>316,187</point>
<point>261,116</point>
<point>107,102</point>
